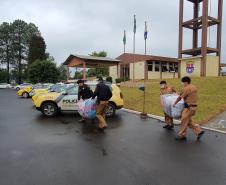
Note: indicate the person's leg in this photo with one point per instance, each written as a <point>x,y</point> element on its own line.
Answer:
<point>99,114</point>
<point>82,120</point>
<point>185,120</point>
<point>195,127</point>
<point>168,121</point>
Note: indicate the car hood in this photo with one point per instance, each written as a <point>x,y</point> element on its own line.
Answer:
<point>49,96</point>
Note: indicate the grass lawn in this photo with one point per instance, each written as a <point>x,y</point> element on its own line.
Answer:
<point>212,97</point>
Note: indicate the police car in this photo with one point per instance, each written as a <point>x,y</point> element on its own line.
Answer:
<point>66,101</point>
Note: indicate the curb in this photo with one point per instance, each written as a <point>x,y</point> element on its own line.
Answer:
<point>176,122</point>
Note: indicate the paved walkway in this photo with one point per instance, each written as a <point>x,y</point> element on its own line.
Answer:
<point>218,123</point>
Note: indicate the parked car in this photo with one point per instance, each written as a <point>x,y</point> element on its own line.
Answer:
<point>21,86</point>
<point>25,92</point>
<point>4,85</point>
<point>52,103</point>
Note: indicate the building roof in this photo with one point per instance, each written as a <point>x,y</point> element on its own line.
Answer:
<point>92,59</point>
<point>128,58</point>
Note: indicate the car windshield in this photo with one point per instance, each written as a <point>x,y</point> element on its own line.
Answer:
<point>60,88</point>
<point>37,86</point>
<point>72,90</point>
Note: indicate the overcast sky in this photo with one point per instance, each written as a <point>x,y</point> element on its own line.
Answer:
<point>83,26</point>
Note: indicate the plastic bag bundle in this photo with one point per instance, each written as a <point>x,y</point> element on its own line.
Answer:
<point>87,108</point>
<point>168,101</point>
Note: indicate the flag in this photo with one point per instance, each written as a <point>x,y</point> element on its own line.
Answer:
<point>124,38</point>
<point>134,25</point>
<point>145,31</point>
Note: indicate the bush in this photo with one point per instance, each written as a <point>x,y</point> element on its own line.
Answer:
<point>43,71</point>
<point>127,79</point>
<point>3,75</point>
<point>118,80</point>
<point>109,79</point>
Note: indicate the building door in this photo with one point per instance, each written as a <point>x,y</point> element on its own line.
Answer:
<point>124,71</point>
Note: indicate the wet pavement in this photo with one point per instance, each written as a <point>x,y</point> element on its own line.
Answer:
<point>35,150</point>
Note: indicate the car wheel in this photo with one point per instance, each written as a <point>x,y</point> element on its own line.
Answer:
<point>17,88</point>
<point>110,110</point>
<point>25,95</point>
<point>49,109</point>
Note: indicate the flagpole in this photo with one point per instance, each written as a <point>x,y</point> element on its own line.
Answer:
<point>124,65</point>
<point>143,114</point>
<point>145,44</point>
<point>134,31</point>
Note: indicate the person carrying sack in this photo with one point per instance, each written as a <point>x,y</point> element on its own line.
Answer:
<point>165,89</point>
<point>84,93</point>
<point>103,94</point>
<point>190,96</point>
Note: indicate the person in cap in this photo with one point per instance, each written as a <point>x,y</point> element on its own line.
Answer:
<point>166,89</point>
<point>190,96</point>
<point>103,94</point>
<point>84,93</point>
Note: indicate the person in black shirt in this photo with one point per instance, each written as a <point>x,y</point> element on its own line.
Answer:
<point>84,92</point>
<point>103,94</point>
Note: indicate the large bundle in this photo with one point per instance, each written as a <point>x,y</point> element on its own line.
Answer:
<point>87,108</point>
<point>167,101</point>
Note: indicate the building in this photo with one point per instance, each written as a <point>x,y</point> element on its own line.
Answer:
<point>146,67</point>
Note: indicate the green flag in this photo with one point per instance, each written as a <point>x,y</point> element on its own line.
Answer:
<point>124,38</point>
<point>134,25</point>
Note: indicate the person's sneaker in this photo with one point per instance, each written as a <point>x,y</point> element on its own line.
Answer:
<point>101,130</point>
<point>165,126</point>
<point>200,135</point>
<point>179,138</point>
<point>170,127</point>
<point>82,121</point>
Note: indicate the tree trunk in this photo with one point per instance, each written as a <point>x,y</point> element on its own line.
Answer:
<point>7,58</point>
<point>19,67</point>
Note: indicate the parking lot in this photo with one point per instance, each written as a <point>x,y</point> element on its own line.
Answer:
<point>35,150</point>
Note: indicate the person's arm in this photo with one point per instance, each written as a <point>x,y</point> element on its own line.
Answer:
<point>177,100</point>
<point>79,93</point>
<point>96,92</point>
<point>183,95</point>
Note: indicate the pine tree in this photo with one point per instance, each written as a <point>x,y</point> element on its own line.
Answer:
<point>37,48</point>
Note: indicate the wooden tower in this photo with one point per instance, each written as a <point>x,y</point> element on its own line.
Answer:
<point>200,23</point>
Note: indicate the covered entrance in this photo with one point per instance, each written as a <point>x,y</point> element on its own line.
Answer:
<point>88,62</point>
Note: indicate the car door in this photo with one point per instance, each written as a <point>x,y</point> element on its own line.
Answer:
<point>69,100</point>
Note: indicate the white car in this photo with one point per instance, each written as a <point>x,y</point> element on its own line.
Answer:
<point>4,85</point>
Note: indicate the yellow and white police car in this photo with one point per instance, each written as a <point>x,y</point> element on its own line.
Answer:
<point>66,101</point>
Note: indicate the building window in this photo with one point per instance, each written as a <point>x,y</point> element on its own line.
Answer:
<point>150,66</point>
<point>157,66</point>
<point>176,67</point>
<point>171,68</point>
<point>164,67</point>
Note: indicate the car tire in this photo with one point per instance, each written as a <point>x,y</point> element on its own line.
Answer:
<point>25,95</point>
<point>49,109</point>
<point>17,88</point>
<point>110,110</point>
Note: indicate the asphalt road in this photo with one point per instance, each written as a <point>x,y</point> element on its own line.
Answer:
<point>35,150</point>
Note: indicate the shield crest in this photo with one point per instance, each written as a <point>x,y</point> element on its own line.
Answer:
<point>190,67</point>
